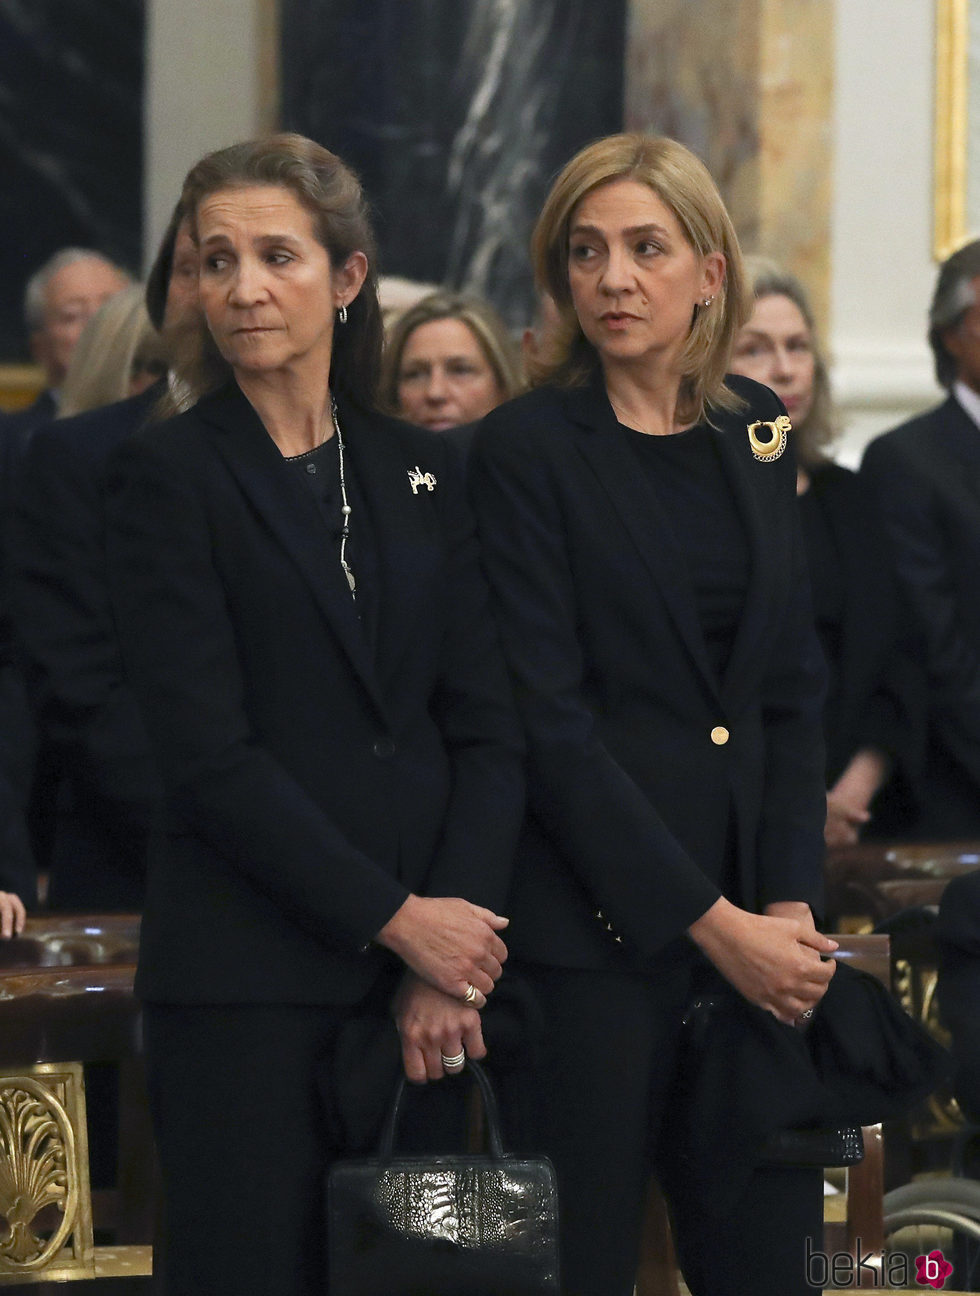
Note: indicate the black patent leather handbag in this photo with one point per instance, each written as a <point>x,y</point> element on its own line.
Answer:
<point>459,1225</point>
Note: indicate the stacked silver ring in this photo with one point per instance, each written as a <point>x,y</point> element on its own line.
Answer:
<point>454,1063</point>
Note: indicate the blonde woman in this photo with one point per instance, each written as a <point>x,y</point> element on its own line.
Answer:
<point>638,519</point>
<point>449,361</point>
<point>120,354</point>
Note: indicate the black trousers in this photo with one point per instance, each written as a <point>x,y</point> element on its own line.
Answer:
<point>243,1139</point>
<point>595,1105</point>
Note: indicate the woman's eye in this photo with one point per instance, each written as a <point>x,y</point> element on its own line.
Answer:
<point>648,248</point>
<point>581,252</point>
<point>278,258</point>
<point>462,369</point>
<point>215,262</point>
<point>411,375</point>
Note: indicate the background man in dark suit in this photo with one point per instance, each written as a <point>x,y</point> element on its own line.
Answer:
<point>107,787</point>
<point>926,475</point>
<point>60,298</point>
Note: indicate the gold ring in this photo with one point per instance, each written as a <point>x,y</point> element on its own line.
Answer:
<point>471,993</point>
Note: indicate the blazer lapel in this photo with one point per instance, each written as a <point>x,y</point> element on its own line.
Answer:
<point>737,463</point>
<point>397,523</point>
<point>608,453</point>
<point>288,509</point>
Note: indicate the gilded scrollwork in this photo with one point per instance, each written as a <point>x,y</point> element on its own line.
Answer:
<point>44,1201</point>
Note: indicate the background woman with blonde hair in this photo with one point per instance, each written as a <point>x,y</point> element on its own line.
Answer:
<point>638,518</point>
<point>449,361</point>
<point>120,354</point>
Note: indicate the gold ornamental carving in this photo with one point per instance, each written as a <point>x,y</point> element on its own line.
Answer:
<point>45,1206</point>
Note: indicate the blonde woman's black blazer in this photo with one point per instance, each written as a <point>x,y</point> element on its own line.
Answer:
<point>313,777</point>
<point>629,797</point>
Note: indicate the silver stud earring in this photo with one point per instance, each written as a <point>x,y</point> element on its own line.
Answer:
<point>707,301</point>
<point>342,314</point>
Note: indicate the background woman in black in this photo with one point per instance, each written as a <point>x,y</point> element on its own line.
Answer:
<point>872,721</point>
<point>307,633</point>
<point>638,522</point>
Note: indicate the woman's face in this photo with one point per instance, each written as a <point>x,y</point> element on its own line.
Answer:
<point>266,284</point>
<point>776,348</point>
<point>635,280</point>
<point>444,379</point>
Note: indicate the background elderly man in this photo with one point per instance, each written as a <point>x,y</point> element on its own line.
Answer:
<point>926,474</point>
<point>60,298</point>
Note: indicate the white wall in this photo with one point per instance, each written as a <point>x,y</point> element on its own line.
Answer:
<point>203,91</point>
<point>882,269</point>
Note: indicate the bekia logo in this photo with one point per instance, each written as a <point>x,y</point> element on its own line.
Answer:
<point>932,1270</point>
<point>871,1269</point>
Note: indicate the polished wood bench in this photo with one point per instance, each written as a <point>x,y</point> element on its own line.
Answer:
<point>63,940</point>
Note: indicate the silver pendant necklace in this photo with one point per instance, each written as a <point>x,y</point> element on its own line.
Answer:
<point>345,509</point>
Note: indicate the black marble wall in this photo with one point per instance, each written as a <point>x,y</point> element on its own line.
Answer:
<point>456,114</point>
<point>71,139</point>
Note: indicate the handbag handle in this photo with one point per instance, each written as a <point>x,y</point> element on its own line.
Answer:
<point>491,1111</point>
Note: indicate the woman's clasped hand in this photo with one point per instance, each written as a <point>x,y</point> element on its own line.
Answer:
<point>450,943</point>
<point>777,959</point>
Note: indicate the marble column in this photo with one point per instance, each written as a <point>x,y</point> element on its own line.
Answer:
<point>748,85</point>
<point>71,138</point>
<point>456,116</point>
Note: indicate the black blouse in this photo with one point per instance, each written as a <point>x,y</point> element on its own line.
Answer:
<point>687,477</point>
<point>321,469</point>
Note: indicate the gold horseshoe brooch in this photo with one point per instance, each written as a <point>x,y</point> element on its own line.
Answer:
<point>774,446</point>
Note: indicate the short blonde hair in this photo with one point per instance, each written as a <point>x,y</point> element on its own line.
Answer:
<point>118,339</point>
<point>498,347</point>
<point>681,181</point>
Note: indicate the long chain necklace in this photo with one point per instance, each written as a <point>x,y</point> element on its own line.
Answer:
<point>345,509</point>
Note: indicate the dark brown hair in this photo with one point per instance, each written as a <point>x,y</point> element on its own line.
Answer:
<point>332,194</point>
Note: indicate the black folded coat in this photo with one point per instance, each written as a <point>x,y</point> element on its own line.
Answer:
<point>743,1076</point>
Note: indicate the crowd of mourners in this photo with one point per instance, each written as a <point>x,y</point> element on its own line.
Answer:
<point>361,645</point>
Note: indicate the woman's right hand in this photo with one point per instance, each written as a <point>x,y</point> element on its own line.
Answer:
<point>775,962</point>
<point>12,914</point>
<point>448,942</point>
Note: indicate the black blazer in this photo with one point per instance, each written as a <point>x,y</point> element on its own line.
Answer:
<point>311,781</point>
<point>86,716</point>
<point>877,700</point>
<point>629,795</point>
<point>18,737</point>
<point>926,479</point>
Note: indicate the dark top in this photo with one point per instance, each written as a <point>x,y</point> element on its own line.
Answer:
<point>827,584</point>
<point>108,791</point>
<point>637,750</point>
<point>320,469</point>
<point>874,695</point>
<point>693,492</point>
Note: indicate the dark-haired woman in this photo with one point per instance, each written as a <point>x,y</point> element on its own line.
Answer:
<point>306,630</point>
<point>638,519</point>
